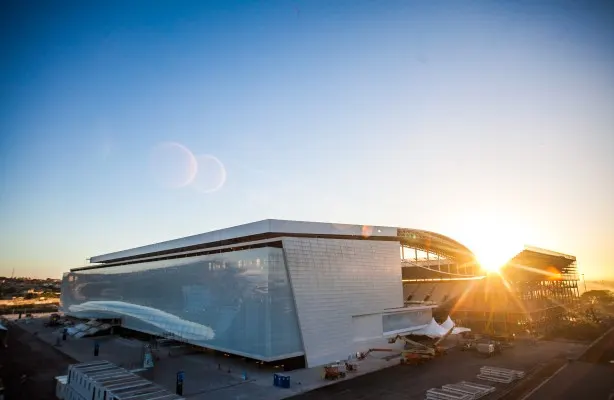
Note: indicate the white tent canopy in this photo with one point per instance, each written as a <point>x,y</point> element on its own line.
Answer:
<point>431,330</point>
<point>447,324</point>
<point>458,330</point>
<point>434,330</point>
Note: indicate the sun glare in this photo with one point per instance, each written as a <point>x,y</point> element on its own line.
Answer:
<point>493,258</point>
<point>493,238</point>
<point>490,267</point>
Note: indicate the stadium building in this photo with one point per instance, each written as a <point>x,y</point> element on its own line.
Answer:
<point>270,290</point>
<point>274,289</point>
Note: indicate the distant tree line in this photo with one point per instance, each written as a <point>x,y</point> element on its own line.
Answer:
<point>599,301</point>
<point>28,308</point>
<point>595,316</point>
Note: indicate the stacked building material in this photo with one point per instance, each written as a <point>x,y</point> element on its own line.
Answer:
<point>459,391</point>
<point>440,394</point>
<point>471,390</point>
<point>501,375</point>
<point>486,388</point>
<point>88,328</point>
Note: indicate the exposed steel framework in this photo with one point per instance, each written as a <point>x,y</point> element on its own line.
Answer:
<point>543,275</point>
<point>535,289</point>
<point>427,255</point>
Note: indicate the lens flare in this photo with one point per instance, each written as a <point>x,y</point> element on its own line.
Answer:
<point>173,165</point>
<point>211,174</point>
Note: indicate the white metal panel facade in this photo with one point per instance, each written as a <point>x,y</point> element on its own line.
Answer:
<point>335,279</point>
<point>328,228</point>
<point>367,327</point>
<point>253,228</point>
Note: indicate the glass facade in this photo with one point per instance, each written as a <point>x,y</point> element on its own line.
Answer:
<point>240,302</point>
<point>403,320</point>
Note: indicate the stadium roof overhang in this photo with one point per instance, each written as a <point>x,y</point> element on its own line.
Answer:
<point>437,244</point>
<point>264,230</point>
<point>533,264</point>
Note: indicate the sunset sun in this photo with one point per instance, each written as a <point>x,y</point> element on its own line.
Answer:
<point>492,239</point>
<point>491,263</point>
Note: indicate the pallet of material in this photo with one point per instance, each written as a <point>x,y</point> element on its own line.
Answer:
<point>517,374</point>
<point>440,394</point>
<point>454,391</point>
<point>486,388</point>
<point>498,373</point>
<point>474,392</point>
<point>495,378</point>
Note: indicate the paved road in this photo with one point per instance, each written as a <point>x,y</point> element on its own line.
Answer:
<point>26,355</point>
<point>579,380</point>
<point>411,382</point>
<point>591,377</point>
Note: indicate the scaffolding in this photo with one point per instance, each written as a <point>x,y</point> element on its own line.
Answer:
<point>535,291</point>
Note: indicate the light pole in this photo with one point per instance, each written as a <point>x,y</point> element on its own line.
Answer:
<point>584,280</point>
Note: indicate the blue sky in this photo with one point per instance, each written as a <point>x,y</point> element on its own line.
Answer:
<point>490,122</point>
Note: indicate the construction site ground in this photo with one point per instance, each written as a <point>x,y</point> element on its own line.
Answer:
<point>31,352</point>
<point>412,382</point>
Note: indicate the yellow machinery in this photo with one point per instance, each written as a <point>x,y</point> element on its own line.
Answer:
<point>419,348</point>
<point>412,358</point>
<point>417,353</point>
<point>414,352</point>
<point>362,356</point>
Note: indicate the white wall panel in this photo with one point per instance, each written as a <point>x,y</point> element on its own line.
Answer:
<point>366,327</point>
<point>335,279</point>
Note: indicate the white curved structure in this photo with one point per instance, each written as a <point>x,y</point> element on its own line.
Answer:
<point>268,290</point>
<point>447,324</point>
<point>167,322</point>
<point>433,330</point>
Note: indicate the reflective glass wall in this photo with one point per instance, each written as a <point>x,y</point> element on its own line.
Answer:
<point>240,302</point>
<point>408,319</point>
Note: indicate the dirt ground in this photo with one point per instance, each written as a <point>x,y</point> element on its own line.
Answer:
<point>39,362</point>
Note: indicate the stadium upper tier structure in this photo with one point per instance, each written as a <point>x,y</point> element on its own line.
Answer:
<point>271,290</point>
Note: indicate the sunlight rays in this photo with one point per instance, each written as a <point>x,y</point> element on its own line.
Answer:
<point>547,273</point>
